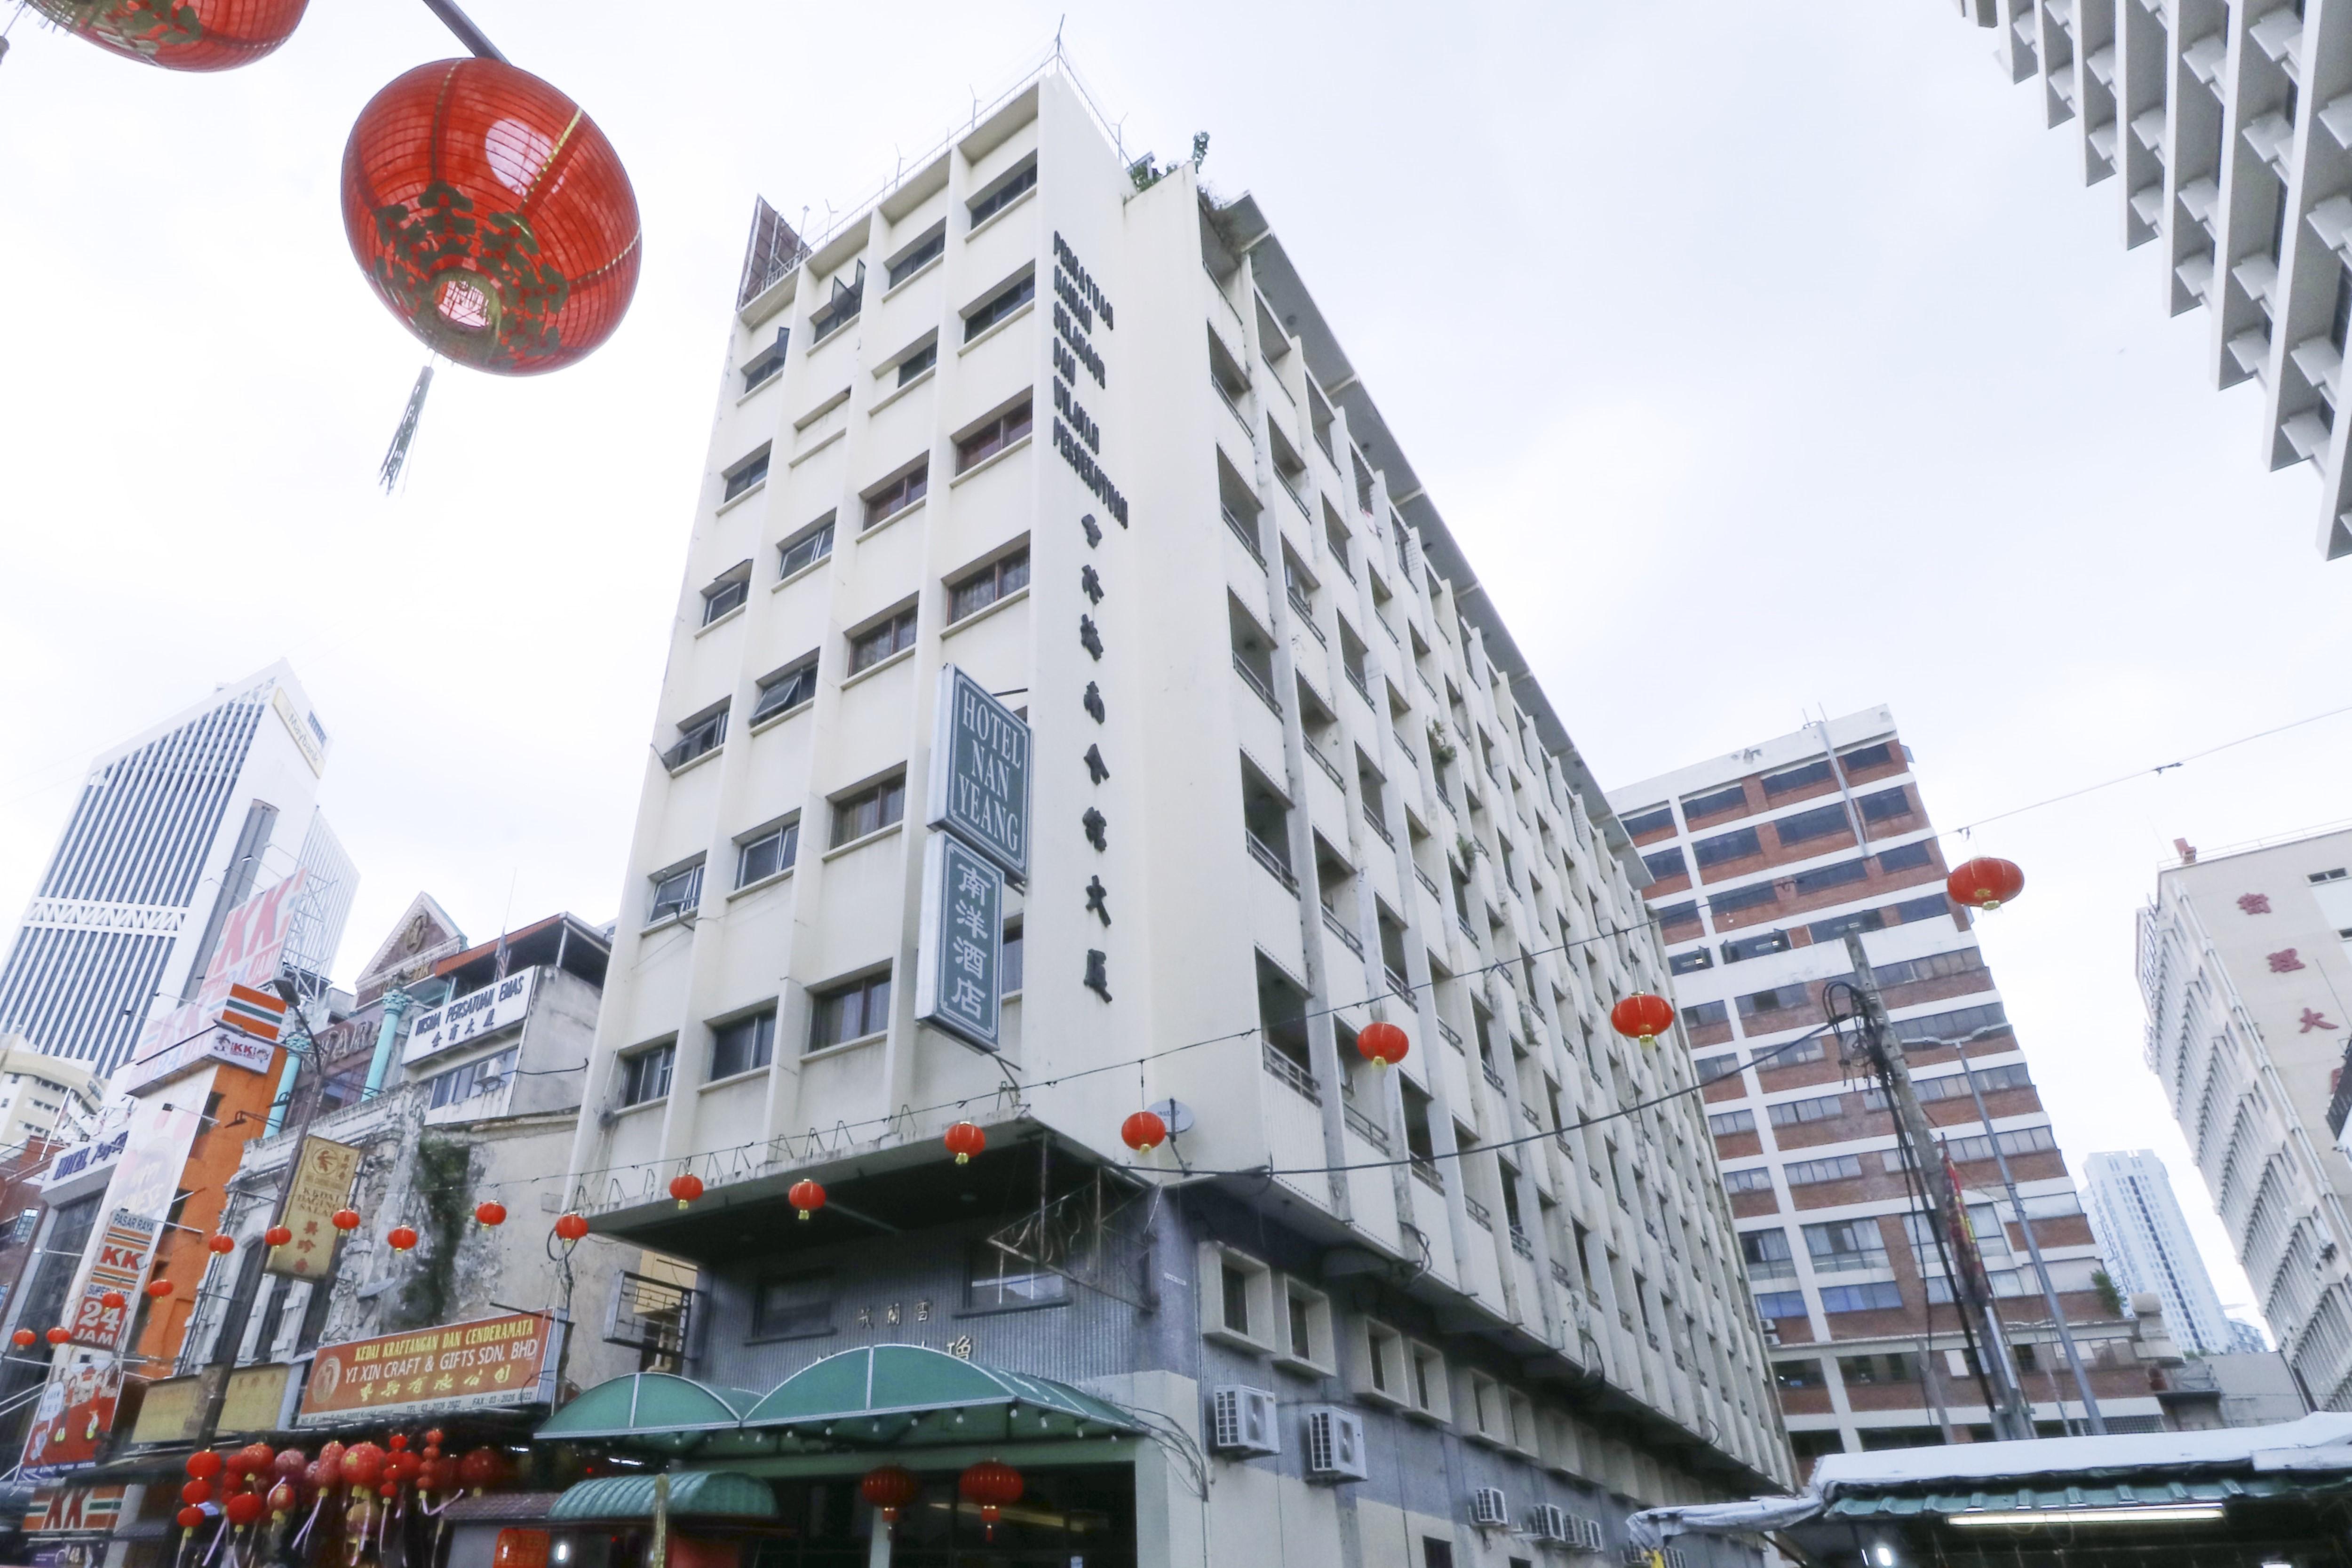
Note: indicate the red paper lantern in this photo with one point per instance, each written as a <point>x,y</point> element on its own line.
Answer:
<point>439,1475</point>
<point>994,1484</point>
<point>572,1227</point>
<point>1985,882</point>
<point>282,1498</point>
<point>203,1464</point>
<point>491,1214</point>
<point>964,1140</point>
<point>276,1235</point>
<point>889,1488</point>
<point>158,1289</point>
<point>197,1492</point>
<point>180,35</point>
<point>259,1459</point>
<point>190,1517</point>
<point>401,1237</point>
<point>807,1196</point>
<point>60,1335</point>
<point>114,1300</point>
<point>244,1508</point>
<point>388,1490</point>
<point>686,1188</point>
<point>491,215</point>
<point>24,1338</point>
<point>1644,1016</point>
<point>346,1219</point>
<point>1383,1043</point>
<point>224,1245</point>
<point>363,1464</point>
<point>1144,1131</point>
<point>289,1464</point>
<point>482,1467</point>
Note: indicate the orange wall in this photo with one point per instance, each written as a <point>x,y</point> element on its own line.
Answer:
<point>181,1257</point>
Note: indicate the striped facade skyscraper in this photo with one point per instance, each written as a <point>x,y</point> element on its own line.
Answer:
<point>2148,1247</point>
<point>172,830</point>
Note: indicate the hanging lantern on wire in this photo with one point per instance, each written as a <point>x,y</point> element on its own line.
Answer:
<point>345,1220</point>
<point>1382,1043</point>
<point>572,1227</point>
<point>889,1488</point>
<point>1143,1132</point>
<point>401,1237</point>
<point>1644,1016</point>
<point>114,1300</point>
<point>180,35</point>
<point>276,1235</point>
<point>60,1335</point>
<point>224,1245</point>
<point>24,1339</point>
<point>994,1485</point>
<point>1986,882</point>
<point>686,1188</point>
<point>158,1289</point>
<point>807,1196</point>
<point>964,1140</point>
<point>243,1508</point>
<point>490,1214</point>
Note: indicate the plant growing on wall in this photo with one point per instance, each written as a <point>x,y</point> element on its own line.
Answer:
<point>2109,1297</point>
<point>444,1188</point>
<point>1440,748</point>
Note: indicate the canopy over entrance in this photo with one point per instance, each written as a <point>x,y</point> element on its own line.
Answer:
<point>694,1494</point>
<point>655,1410</point>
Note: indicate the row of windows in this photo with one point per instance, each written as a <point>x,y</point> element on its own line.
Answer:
<point>1877,1297</point>
<point>472,1080</point>
<point>775,849</point>
<point>1732,798</point>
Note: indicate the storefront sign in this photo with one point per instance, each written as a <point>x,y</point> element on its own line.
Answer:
<point>488,1362</point>
<point>84,1160</point>
<point>501,1005</point>
<point>252,942</point>
<point>162,1128</point>
<point>60,1509</point>
<point>256,1399</point>
<point>959,985</point>
<point>979,773</point>
<point>126,1248</point>
<point>172,1410</point>
<point>75,1412</point>
<point>323,1183</point>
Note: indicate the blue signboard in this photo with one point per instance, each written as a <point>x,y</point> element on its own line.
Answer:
<point>979,773</point>
<point>959,981</point>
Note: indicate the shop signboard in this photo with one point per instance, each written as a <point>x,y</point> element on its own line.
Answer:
<point>74,1416</point>
<point>323,1183</point>
<point>162,1128</point>
<point>487,1363</point>
<point>252,943</point>
<point>979,773</point>
<point>959,985</point>
<point>500,1004</point>
<point>172,1410</point>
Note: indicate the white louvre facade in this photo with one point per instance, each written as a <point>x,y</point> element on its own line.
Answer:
<point>2147,1247</point>
<point>2225,135</point>
<point>2242,965</point>
<point>170,831</point>
<point>1085,436</point>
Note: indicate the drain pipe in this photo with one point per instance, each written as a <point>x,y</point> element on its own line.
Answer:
<point>396,1006</point>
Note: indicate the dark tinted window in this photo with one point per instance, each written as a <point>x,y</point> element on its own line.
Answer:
<point>1805,826</point>
<point>1727,847</point>
<point>1714,803</point>
<point>1667,863</point>
<point>1797,778</point>
<point>1649,821</point>
<point>1863,757</point>
<point>1739,898</point>
<point>743,1045</point>
<point>1886,803</point>
<point>850,1012</point>
<point>1699,1015</point>
<point>800,1304</point>
<point>1903,857</point>
<point>923,256</point>
<point>1741,949</point>
<point>1684,963</point>
<point>1829,877</point>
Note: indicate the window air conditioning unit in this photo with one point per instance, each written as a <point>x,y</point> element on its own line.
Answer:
<point>1335,1444</point>
<point>1586,1534</point>
<point>1487,1509</point>
<point>1549,1521</point>
<point>1243,1422</point>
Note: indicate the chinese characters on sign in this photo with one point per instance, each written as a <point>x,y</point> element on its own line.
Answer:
<point>2283,962</point>
<point>2254,903</point>
<point>323,1183</point>
<point>500,1004</point>
<point>958,986</point>
<point>463,1366</point>
<point>2314,1019</point>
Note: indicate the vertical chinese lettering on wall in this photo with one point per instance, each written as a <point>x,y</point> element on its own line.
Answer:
<point>959,987</point>
<point>979,809</point>
<point>323,1183</point>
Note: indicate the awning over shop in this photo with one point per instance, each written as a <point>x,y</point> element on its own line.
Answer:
<point>704,1494</point>
<point>2120,1501</point>
<point>905,1394</point>
<point>655,1410</point>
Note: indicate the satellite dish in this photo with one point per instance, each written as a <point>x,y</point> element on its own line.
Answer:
<point>1176,1114</point>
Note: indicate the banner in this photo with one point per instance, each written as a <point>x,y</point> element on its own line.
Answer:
<point>252,944</point>
<point>979,773</point>
<point>323,1183</point>
<point>75,1412</point>
<point>162,1131</point>
<point>488,1362</point>
<point>959,981</point>
<point>500,1004</point>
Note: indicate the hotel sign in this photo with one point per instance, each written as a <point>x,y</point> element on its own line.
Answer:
<point>979,773</point>
<point>958,986</point>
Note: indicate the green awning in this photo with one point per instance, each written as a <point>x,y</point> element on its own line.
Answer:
<point>2122,1497</point>
<point>698,1494</point>
<point>650,1409</point>
<point>907,1394</point>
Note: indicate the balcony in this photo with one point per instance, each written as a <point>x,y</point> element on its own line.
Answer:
<point>1521,1245</point>
<point>1452,1038</point>
<point>1242,668</point>
<point>1425,1173</point>
<point>1356,679</point>
<point>1369,1130</point>
<point>1273,862</point>
<point>1234,409</point>
<point>1426,881</point>
<point>1246,534</point>
<point>1560,1275</point>
<point>1329,767</point>
<point>1528,1114</point>
<point>1480,1216</point>
<point>1296,1078</point>
<point>1397,983</point>
<point>1379,830</point>
<point>1493,1079</point>
<point>1307,618</point>
<point>1348,939</point>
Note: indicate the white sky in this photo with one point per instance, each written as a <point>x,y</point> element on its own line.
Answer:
<point>1762,357</point>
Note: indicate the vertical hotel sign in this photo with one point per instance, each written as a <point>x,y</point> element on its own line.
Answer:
<point>323,1183</point>
<point>979,810</point>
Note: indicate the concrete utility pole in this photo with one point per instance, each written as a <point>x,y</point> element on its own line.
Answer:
<point>2013,1414</point>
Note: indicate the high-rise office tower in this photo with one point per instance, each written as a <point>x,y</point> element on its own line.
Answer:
<point>2147,1247</point>
<point>172,829</point>
<point>2197,116</point>
<point>2243,966</point>
<point>1065,423</point>
<point>1764,860</point>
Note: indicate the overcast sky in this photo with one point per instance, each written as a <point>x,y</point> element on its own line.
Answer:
<point>1764,359</point>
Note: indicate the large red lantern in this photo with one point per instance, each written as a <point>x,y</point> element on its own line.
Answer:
<point>276,1235</point>
<point>686,1188</point>
<point>572,1227</point>
<point>224,1245</point>
<point>964,1140</point>
<point>889,1488</point>
<point>114,1300</point>
<point>994,1485</point>
<point>807,1196</point>
<point>1985,882</point>
<point>205,1464</point>
<point>1644,1016</point>
<point>490,1214</point>
<point>158,1289</point>
<point>60,1334</point>
<point>196,1492</point>
<point>401,1237</point>
<point>1383,1043</point>
<point>491,215</point>
<point>482,1467</point>
<point>180,35</point>
<point>24,1338</point>
<point>190,1517</point>
<point>363,1464</point>
<point>1143,1132</point>
<point>243,1508</point>
<point>346,1219</point>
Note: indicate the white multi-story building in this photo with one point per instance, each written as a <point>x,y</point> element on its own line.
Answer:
<point>1764,860</point>
<point>2229,143</point>
<point>1060,420</point>
<point>2147,1247</point>
<point>2243,967</point>
<point>44,1097</point>
<point>172,829</point>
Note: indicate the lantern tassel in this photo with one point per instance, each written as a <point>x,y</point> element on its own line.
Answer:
<point>397,455</point>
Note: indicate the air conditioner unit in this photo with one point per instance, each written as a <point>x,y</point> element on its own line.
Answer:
<point>1243,1422</point>
<point>1589,1535</point>
<point>1335,1444</point>
<point>1487,1509</point>
<point>1549,1521</point>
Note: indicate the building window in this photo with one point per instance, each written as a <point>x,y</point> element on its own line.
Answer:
<point>796,1305</point>
<point>1887,804</point>
<point>1383,1359</point>
<point>1004,192</point>
<point>1929,908</point>
<point>1714,803</point>
<point>1699,1015</point>
<point>805,549</point>
<point>916,364</point>
<point>782,692</point>
<point>2316,878</point>
<point>1812,1173</point>
<point>767,364</point>
<point>1234,1284</point>
<point>997,580</point>
<point>1686,962</point>
<point>850,1012</point>
<point>1904,857</point>
<point>1805,1374</point>
<point>870,810</point>
<point>645,1075</point>
<point>883,505</point>
<point>1727,847</point>
<point>1887,1366</point>
<point>1739,899</point>
<point>727,593</point>
<point>1667,863</point>
<point>1875,1297</point>
<point>995,1281</point>
<point>773,850</point>
<point>1437,1553</point>
<point>745,474</point>
<point>473,1080</point>
<point>872,645</point>
<point>1430,1395</point>
<point>1768,1254</point>
<point>993,438</point>
<point>1780,1304</point>
<point>926,250</point>
<point>1845,1245</point>
<point>1008,965</point>
<point>1741,949</point>
<point>743,1045</point>
<point>697,736</point>
<point>1797,778</point>
<point>1790,1112</point>
<point>999,307</point>
<point>840,307</point>
<point>1649,821</point>
<point>1759,1180</point>
<point>1725,1124</point>
<point>1807,883</point>
<point>675,892</point>
<point>1802,826</point>
<point>1862,757</point>
<point>1710,1069</point>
